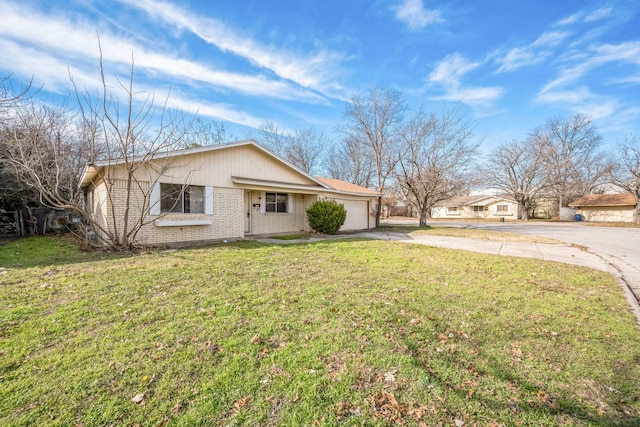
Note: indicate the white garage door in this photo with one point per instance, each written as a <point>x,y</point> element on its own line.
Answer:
<point>357,214</point>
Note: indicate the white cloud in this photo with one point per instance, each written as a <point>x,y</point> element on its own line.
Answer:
<point>473,96</point>
<point>310,70</point>
<point>570,19</point>
<point>75,43</point>
<point>624,52</point>
<point>581,100</point>
<point>451,69</point>
<point>532,54</point>
<point>566,89</point>
<point>628,52</point>
<point>550,39</point>
<point>598,14</point>
<point>569,96</point>
<point>216,111</point>
<point>413,13</point>
<point>584,16</point>
<point>632,80</point>
<point>519,57</point>
<point>448,74</point>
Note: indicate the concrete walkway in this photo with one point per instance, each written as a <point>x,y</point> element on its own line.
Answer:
<point>565,253</point>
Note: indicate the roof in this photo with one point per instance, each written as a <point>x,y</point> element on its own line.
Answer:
<point>476,200</point>
<point>627,199</point>
<point>340,185</point>
<point>323,184</point>
<point>92,169</point>
<point>267,185</point>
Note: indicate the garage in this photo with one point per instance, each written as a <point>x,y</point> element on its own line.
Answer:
<point>606,207</point>
<point>357,214</point>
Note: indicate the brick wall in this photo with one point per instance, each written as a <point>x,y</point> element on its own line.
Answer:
<point>226,221</point>
<point>271,223</point>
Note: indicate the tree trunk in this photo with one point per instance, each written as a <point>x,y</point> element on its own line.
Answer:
<point>378,211</point>
<point>423,217</point>
<point>524,211</point>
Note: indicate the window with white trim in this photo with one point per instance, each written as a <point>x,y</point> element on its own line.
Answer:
<point>478,208</point>
<point>502,208</point>
<point>452,209</point>
<point>180,199</point>
<point>276,202</point>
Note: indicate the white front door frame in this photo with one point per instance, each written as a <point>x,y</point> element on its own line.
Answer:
<point>247,212</point>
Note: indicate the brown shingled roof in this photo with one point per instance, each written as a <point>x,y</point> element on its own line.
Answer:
<point>340,185</point>
<point>605,200</point>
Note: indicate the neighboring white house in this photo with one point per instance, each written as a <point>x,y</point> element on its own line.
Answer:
<point>606,207</point>
<point>227,191</point>
<point>478,207</point>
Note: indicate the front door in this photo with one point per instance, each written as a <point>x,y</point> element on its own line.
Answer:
<point>247,212</point>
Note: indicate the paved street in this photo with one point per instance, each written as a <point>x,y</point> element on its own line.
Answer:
<point>622,243</point>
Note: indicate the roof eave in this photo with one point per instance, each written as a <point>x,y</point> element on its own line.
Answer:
<point>88,174</point>
<point>301,188</point>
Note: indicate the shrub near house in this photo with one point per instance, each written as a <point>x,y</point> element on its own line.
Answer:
<point>326,216</point>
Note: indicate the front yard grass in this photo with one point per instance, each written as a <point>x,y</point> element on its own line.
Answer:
<point>470,233</point>
<point>352,332</point>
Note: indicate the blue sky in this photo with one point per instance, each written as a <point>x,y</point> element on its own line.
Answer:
<point>509,64</point>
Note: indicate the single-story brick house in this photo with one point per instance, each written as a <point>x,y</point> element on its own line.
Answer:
<point>226,191</point>
<point>478,207</point>
<point>606,207</point>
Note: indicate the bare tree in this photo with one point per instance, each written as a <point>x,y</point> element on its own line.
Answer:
<point>52,146</point>
<point>374,118</point>
<point>569,147</point>
<point>351,161</point>
<point>625,172</point>
<point>47,153</point>
<point>14,193</point>
<point>9,97</point>
<point>517,169</point>
<point>272,137</point>
<point>436,159</point>
<point>206,132</point>
<point>303,149</point>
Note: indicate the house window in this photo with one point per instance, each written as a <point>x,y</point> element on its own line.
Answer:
<point>276,202</point>
<point>478,208</point>
<point>180,199</point>
<point>452,209</point>
<point>502,208</point>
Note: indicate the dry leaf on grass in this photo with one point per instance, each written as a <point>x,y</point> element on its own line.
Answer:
<point>138,398</point>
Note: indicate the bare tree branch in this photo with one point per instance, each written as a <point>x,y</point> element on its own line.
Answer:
<point>435,159</point>
<point>517,169</point>
<point>569,147</point>
<point>625,171</point>
<point>374,118</point>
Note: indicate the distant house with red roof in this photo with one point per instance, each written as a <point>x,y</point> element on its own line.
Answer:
<point>606,207</point>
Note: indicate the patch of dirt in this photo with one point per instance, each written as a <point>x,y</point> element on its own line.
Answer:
<point>581,247</point>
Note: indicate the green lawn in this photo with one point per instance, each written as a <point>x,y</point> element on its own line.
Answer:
<point>337,332</point>
<point>471,233</point>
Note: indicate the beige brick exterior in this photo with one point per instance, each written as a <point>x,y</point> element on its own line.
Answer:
<point>215,170</point>
<point>272,223</point>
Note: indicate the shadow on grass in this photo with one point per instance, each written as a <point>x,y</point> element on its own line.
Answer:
<point>403,228</point>
<point>531,401</point>
<point>49,251</point>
